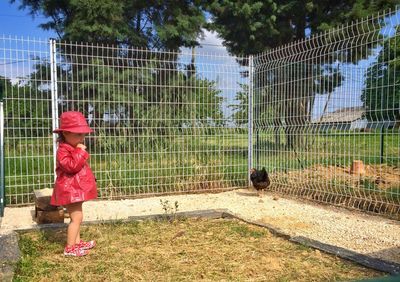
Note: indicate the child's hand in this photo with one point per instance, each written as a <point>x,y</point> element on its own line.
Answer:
<point>83,147</point>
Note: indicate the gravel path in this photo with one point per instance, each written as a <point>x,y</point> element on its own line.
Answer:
<point>365,234</point>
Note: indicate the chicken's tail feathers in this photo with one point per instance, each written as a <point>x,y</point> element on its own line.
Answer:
<point>264,172</point>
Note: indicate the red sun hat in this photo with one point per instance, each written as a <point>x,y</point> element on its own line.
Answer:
<point>73,122</point>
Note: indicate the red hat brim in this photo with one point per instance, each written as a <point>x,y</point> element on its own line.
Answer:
<point>81,129</point>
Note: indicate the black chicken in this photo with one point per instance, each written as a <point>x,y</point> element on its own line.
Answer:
<point>260,179</point>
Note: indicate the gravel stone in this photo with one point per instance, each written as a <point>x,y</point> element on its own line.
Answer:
<point>370,235</point>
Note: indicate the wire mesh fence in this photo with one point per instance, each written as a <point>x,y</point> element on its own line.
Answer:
<point>321,114</point>
<point>164,121</point>
<point>25,80</point>
<point>326,115</point>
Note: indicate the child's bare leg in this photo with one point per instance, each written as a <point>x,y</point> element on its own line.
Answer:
<point>76,215</point>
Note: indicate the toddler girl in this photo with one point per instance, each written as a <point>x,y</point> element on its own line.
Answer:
<point>75,182</point>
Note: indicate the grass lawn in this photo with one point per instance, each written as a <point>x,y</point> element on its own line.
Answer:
<point>184,162</point>
<point>182,250</point>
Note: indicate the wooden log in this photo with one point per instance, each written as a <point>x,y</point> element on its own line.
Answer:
<point>66,213</point>
<point>56,216</point>
<point>42,200</point>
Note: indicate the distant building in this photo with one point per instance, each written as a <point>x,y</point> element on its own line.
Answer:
<point>351,118</point>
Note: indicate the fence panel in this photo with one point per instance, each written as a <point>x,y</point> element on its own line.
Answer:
<point>325,103</point>
<point>178,122</point>
<point>25,80</point>
<point>165,122</point>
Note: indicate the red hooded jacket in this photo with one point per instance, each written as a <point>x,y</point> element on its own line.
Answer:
<point>75,181</point>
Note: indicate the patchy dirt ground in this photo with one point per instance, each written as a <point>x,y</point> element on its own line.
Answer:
<point>383,177</point>
<point>366,234</point>
<point>377,190</point>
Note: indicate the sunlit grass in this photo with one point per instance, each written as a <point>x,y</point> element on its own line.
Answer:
<point>182,250</point>
<point>182,162</point>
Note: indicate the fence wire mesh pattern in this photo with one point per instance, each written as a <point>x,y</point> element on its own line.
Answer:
<point>321,114</point>
<point>164,121</point>
<point>25,80</point>
<point>326,115</point>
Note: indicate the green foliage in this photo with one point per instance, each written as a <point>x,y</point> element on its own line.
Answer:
<point>241,107</point>
<point>393,194</point>
<point>381,96</point>
<point>325,15</point>
<point>145,99</point>
<point>168,208</point>
<point>22,116</point>
<point>245,231</point>
<point>250,27</point>
<point>369,185</point>
<point>94,21</point>
<point>31,250</point>
<point>153,24</point>
<point>246,27</point>
<point>29,247</point>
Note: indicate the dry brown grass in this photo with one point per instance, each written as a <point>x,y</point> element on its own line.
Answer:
<point>383,177</point>
<point>184,250</point>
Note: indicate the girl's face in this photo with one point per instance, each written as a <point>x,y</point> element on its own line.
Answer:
<point>74,138</point>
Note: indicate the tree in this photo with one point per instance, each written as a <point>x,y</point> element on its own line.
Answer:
<point>285,94</point>
<point>25,119</point>
<point>381,95</point>
<point>151,80</point>
<point>240,107</point>
<point>250,26</point>
<point>151,24</point>
<point>150,99</point>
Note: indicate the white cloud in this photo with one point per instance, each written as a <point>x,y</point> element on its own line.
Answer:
<point>211,37</point>
<point>15,71</point>
<point>214,63</point>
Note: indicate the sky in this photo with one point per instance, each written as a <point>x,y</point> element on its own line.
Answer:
<point>16,22</point>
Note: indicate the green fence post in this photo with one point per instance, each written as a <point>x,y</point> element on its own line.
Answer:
<point>382,143</point>
<point>2,180</point>
<point>250,120</point>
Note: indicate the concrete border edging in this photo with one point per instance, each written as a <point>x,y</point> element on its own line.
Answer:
<point>370,262</point>
<point>9,255</point>
<point>374,263</point>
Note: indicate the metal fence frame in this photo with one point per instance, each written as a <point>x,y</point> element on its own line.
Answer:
<point>284,109</point>
<point>325,103</point>
<point>1,155</point>
<point>183,97</point>
<point>18,57</point>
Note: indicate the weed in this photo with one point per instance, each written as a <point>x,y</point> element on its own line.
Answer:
<point>245,231</point>
<point>169,209</point>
